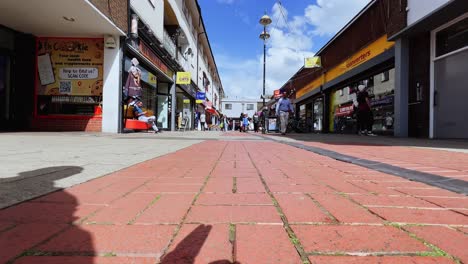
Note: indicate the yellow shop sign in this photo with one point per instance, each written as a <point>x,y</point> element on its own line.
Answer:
<point>183,78</point>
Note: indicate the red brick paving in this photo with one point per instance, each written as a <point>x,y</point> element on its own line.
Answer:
<point>85,260</point>
<point>440,162</point>
<point>449,240</point>
<point>200,244</point>
<point>13,242</point>
<point>264,244</point>
<point>365,239</point>
<point>124,219</point>
<point>378,260</point>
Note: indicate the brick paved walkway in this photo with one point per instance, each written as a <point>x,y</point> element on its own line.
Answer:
<point>439,162</point>
<point>239,201</point>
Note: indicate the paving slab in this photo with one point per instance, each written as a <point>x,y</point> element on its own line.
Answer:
<point>200,244</point>
<point>379,260</point>
<point>449,240</point>
<point>137,240</point>
<point>264,244</point>
<point>356,239</point>
<point>85,260</point>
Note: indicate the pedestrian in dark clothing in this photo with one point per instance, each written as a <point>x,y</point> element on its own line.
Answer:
<point>364,112</point>
<point>256,121</point>
<point>241,118</point>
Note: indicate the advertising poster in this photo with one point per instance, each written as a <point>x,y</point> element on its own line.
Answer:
<point>75,66</point>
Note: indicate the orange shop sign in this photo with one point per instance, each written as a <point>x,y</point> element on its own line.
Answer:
<point>149,54</point>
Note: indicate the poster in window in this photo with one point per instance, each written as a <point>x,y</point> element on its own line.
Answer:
<point>76,63</point>
<point>44,67</point>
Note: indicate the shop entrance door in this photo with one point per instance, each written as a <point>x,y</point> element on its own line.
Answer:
<point>450,93</point>
<point>6,114</point>
<point>318,115</point>
<point>163,111</point>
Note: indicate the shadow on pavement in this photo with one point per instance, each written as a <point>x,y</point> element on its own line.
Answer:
<point>31,184</point>
<point>189,248</point>
<point>41,230</point>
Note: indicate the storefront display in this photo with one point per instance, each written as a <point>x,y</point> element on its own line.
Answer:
<point>380,88</point>
<point>70,76</point>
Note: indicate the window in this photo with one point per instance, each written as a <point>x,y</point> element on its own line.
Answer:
<point>228,106</point>
<point>250,107</point>
<point>385,76</point>
<point>452,38</point>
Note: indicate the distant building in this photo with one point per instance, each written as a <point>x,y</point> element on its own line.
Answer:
<point>232,108</point>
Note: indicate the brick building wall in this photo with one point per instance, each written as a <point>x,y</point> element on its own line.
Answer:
<point>66,124</point>
<point>115,10</point>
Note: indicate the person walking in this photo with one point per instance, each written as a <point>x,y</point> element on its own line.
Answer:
<point>283,108</point>
<point>256,120</point>
<point>245,123</point>
<point>202,120</point>
<point>241,121</point>
<point>364,112</point>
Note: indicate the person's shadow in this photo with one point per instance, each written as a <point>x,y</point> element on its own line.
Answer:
<point>28,227</point>
<point>188,249</point>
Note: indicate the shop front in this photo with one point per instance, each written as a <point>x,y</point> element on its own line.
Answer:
<point>57,71</point>
<point>186,106</point>
<point>148,77</point>
<point>380,87</point>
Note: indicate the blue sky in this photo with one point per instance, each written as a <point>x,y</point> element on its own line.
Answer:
<point>233,31</point>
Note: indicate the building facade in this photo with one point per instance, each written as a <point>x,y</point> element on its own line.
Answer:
<point>232,108</point>
<point>57,72</point>
<point>412,60</point>
<point>61,73</point>
<point>432,55</point>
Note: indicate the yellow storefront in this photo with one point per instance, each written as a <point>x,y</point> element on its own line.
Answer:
<point>371,66</point>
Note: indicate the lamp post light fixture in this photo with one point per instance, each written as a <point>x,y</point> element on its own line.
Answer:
<point>264,21</point>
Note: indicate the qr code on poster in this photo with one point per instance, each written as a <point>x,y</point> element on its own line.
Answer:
<point>65,87</point>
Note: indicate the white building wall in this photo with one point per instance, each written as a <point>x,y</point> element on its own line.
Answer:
<point>417,9</point>
<point>152,13</point>
<point>238,107</point>
<point>189,62</point>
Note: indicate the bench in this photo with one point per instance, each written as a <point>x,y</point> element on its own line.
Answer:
<point>136,124</point>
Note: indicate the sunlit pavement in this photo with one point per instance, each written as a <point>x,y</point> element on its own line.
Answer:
<point>249,199</point>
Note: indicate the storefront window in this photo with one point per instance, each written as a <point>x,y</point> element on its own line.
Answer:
<point>380,88</point>
<point>148,85</point>
<point>70,76</point>
<point>452,38</point>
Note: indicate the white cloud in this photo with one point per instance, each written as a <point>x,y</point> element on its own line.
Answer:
<point>226,1</point>
<point>329,16</point>
<point>289,44</point>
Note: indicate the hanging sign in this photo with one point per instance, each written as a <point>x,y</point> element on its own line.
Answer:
<point>186,101</point>
<point>183,78</point>
<point>313,62</point>
<point>201,96</point>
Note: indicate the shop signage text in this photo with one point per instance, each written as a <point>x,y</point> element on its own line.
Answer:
<point>367,53</point>
<point>149,54</point>
<point>78,73</point>
<point>201,96</point>
<point>360,59</point>
<point>183,78</point>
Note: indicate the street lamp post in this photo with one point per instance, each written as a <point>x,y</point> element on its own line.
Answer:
<point>264,21</point>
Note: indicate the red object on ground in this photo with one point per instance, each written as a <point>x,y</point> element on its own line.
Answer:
<point>136,124</point>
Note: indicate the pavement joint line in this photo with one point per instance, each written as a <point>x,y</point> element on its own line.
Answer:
<point>322,208</point>
<point>234,184</point>
<point>374,254</point>
<point>232,240</point>
<point>454,185</point>
<point>433,247</point>
<point>362,206</point>
<point>434,203</point>
<point>182,221</point>
<point>132,221</point>
<point>32,248</point>
<point>8,228</point>
<point>410,207</point>
<point>292,236</point>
